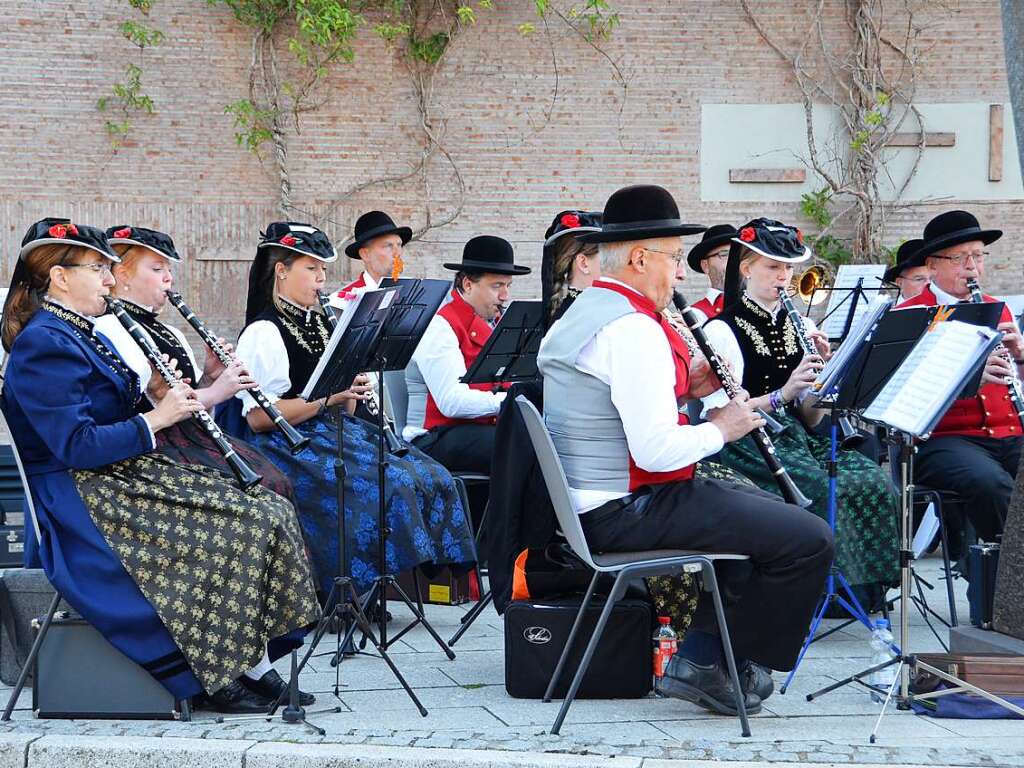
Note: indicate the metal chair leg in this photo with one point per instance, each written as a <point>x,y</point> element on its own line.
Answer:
<point>588,654</point>
<point>31,660</point>
<point>550,692</point>
<point>723,631</point>
<point>947,568</point>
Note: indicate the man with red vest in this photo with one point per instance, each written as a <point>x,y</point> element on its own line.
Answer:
<point>975,449</point>
<point>616,378</point>
<point>450,421</point>
<point>709,257</point>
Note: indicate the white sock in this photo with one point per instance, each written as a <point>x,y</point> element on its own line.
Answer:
<point>260,669</point>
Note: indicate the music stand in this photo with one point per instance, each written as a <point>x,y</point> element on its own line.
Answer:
<point>413,304</point>
<point>509,355</point>
<point>863,394</point>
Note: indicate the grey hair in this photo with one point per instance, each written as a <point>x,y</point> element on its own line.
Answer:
<point>615,256</point>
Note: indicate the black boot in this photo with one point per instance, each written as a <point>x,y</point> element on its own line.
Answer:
<point>756,679</point>
<point>272,685</point>
<point>708,686</point>
<point>235,699</point>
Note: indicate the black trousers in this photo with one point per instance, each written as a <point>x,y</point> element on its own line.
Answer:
<point>770,600</point>
<point>463,448</point>
<point>979,469</point>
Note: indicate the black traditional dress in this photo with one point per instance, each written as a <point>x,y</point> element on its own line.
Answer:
<point>281,347</point>
<point>764,347</point>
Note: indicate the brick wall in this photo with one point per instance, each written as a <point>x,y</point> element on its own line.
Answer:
<point>523,154</point>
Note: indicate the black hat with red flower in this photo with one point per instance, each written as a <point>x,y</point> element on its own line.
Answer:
<point>371,225</point>
<point>301,238</point>
<point>158,242</point>
<point>714,237</point>
<point>765,237</point>
<point>572,223</point>
<point>64,232</point>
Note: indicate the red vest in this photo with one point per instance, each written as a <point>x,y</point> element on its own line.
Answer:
<point>989,413</point>
<point>346,292</point>
<point>681,360</point>
<point>710,310</point>
<point>472,332</point>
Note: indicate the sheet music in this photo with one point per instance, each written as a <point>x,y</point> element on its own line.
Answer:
<point>930,377</point>
<point>831,375</point>
<point>847,277</point>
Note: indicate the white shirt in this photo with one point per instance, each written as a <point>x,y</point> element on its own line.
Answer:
<point>133,355</point>
<point>265,356</point>
<point>338,302</point>
<point>440,364</point>
<point>711,295</point>
<point>723,341</point>
<point>632,356</point>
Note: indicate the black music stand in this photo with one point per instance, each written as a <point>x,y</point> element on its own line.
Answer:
<point>412,305</point>
<point>509,355</point>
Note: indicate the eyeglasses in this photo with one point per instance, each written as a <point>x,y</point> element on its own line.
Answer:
<point>916,280</point>
<point>99,268</point>
<point>960,258</point>
<point>676,256</point>
<point>720,255</point>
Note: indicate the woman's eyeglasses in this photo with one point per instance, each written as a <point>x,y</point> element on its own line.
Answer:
<point>98,268</point>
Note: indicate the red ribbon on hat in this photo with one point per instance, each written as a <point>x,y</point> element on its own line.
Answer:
<point>126,232</point>
<point>747,234</point>
<point>58,230</point>
<point>288,240</point>
<point>570,220</point>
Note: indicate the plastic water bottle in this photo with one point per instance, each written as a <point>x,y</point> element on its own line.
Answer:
<point>881,645</point>
<point>665,643</point>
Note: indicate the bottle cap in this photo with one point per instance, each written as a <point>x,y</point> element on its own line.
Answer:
<point>664,619</point>
<point>882,623</point>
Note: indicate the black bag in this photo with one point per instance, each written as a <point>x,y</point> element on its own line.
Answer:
<point>982,562</point>
<point>535,634</point>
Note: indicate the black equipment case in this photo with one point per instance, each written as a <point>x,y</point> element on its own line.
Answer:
<point>12,511</point>
<point>982,563</point>
<point>535,634</point>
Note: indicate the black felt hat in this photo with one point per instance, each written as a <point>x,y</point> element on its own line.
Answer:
<point>640,212</point>
<point>952,228</point>
<point>719,234</point>
<point>490,254</point>
<point>148,238</point>
<point>907,256</point>
<point>766,237</point>
<point>572,223</point>
<point>63,232</point>
<point>301,238</point>
<point>374,224</point>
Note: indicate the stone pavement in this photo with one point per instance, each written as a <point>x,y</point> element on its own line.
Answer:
<point>469,712</point>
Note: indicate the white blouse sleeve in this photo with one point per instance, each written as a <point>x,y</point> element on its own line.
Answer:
<point>125,347</point>
<point>262,350</point>
<point>188,349</point>
<point>723,341</point>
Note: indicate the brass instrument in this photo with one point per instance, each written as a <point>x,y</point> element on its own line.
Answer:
<point>812,279</point>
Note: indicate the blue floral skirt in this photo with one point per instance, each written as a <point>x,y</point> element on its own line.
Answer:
<point>423,506</point>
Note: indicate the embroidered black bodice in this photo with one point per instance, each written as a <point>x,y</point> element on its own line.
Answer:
<point>165,339</point>
<point>305,334</point>
<point>769,345</point>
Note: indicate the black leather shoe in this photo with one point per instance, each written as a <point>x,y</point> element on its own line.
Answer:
<point>272,685</point>
<point>235,699</point>
<point>709,686</point>
<point>756,679</point>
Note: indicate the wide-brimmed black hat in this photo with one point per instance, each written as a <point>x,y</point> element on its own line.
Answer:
<point>719,234</point>
<point>301,238</point>
<point>641,212</point>
<point>490,254</point>
<point>952,228</point>
<point>63,232</point>
<point>374,224</point>
<point>766,237</point>
<point>157,242</point>
<point>908,255</point>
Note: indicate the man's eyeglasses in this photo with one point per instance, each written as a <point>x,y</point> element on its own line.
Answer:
<point>960,258</point>
<point>99,268</point>
<point>676,256</point>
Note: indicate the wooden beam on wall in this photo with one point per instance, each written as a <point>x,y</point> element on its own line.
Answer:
<point>931,139</point>
<point>767,175</point>
<point>995,142</point>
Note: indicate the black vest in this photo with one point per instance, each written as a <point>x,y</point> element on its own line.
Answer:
<point>305,334</point>
<point>771,349</point>
<point>166,341</point>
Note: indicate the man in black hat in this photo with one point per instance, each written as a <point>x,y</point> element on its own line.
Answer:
<point>451,421</point>
<point>909,273</point>
<point>615,375</point>
<point>378,244</point>
<point>975,449</point>
<point>710,257</point>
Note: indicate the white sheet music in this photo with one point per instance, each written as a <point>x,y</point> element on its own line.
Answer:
<point>847,277</point>
<point>931,376</point>
<point>835,368</point>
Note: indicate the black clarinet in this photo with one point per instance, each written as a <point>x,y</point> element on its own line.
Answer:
<point>244,475</point>
<point>395,446</point>
<point>296,440</point>
<point>764,443</point>
<point>1012,382</point>
<point>849,436</point>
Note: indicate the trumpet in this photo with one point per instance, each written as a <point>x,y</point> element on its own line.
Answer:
<point>1012,382</point>
<point>395,446</point>
<point>808,282</point>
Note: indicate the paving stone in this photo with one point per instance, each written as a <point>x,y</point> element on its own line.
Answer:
<point>135,752</point>
<point>14,749</point>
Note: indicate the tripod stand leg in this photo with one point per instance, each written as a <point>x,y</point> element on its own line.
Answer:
<point>347,641</point>
<point>294,712</point>
<point>826,600</point>
<point>31,660</point>
<point>420,618</point>
<point>888,698</point>
<point>471,615</point>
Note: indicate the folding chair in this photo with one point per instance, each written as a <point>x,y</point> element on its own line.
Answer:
<point>625,566</point>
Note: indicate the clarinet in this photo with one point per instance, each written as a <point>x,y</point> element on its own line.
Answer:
<point>395,446</point>
<point>1012,382</point>
<point>244,475</point>
<point>850,436</point>
<point>296,440</point>
<point>789,490</point>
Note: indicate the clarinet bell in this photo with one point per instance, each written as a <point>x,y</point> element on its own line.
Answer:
<point>850,438</point>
